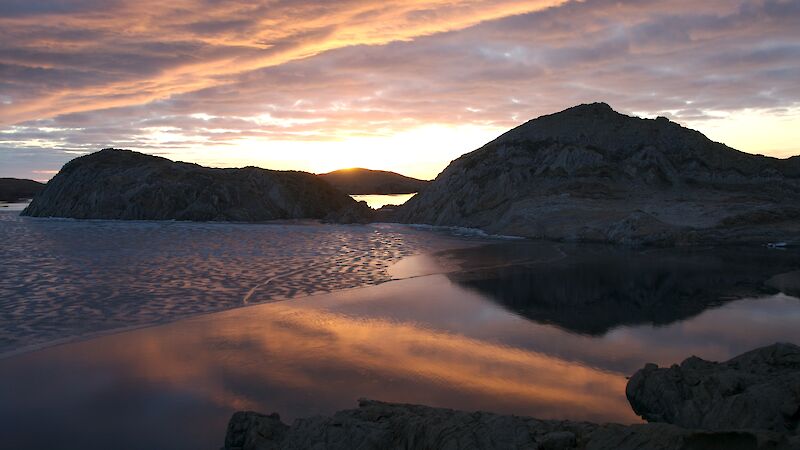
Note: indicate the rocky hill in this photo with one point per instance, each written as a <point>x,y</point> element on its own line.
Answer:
<point>365,181</point>
<point>122,184</point>
<point>591,174</point>
<point>13,189</point>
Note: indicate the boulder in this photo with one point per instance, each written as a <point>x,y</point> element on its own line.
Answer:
<point>757,390</point>
<point>378,425</point>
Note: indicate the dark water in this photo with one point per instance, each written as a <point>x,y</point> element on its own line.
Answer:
<point>537,329</point>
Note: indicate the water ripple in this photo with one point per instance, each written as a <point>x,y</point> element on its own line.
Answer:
<point>66,278</point>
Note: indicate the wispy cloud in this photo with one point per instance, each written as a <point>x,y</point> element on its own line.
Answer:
<point>203,75</point>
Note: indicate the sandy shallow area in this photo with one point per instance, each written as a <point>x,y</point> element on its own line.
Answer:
<point>64,279</point>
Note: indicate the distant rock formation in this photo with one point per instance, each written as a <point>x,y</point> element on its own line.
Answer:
<point>365,181</point>
<point>14,189</point>
<point>122,184</point>
<point>377,425</point>
<point>757,390</point>
<point>591,174</point>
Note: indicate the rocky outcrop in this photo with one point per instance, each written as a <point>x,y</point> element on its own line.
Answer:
<point>378,425</point>
<point>13,189</point>
<point>365,181</point>
<point>757,390</point>
<point>591,174</point>
<point>121,184</point>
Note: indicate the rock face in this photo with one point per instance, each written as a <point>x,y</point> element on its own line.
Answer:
<point>591,174</point>
<point>13,189</point>
<point>377,425</point>
<point>121,184</point>
<point>365,181</point>
<point>757,390</point>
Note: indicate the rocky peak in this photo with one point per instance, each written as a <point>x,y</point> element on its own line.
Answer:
<point>591,173</point>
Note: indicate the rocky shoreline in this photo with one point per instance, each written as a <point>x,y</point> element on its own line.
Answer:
<point>759,389</point>
<point>749,402</point>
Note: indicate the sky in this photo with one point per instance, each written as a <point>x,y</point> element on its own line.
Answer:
<point>402,85</point>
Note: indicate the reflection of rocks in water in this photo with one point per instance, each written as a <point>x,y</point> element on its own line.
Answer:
<point>788,283</point>
<point>598,288</point>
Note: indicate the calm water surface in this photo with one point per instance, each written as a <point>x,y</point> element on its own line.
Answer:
<point>13,206</point>
<point>520,327</point>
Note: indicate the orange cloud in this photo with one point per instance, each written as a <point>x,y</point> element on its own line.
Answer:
<point>315,86</point>
<point>219,40</point>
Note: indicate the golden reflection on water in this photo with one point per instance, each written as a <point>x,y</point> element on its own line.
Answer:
<point>425,340</point>
<point>301,349</point>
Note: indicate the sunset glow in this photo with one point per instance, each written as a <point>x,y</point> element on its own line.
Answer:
<point>397,85</point>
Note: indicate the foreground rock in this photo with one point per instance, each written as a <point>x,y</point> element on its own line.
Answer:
<point>121,184</point>
<point>591,174</point>
<point>759,389</point>
<point>377,425</point>
<point>13,189</point>
<point>365,181</point>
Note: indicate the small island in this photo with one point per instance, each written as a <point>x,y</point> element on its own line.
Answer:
<point>358,181</point>
<point>16,189</point>
<point>126,185</point>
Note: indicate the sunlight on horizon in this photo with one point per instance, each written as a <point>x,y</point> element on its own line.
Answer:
<point>420,152</point>
<point>423,152</point>
<point>752,131</point>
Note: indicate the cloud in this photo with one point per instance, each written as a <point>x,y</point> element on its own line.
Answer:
<point>35,164</point>
<point>361,70</point>
<point>125,53</point>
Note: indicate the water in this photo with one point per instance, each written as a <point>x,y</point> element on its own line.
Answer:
<point>61,279</point>
<point>13,206</point>
<point>541,329</point>
<point>378,201</point>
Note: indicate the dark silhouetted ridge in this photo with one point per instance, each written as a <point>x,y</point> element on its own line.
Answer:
<point>366,181</point>
<point>122,184</point>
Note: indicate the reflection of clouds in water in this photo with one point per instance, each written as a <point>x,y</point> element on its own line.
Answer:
<point>721,333</point>
<point>422,340</point>
<point>282,350</point>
